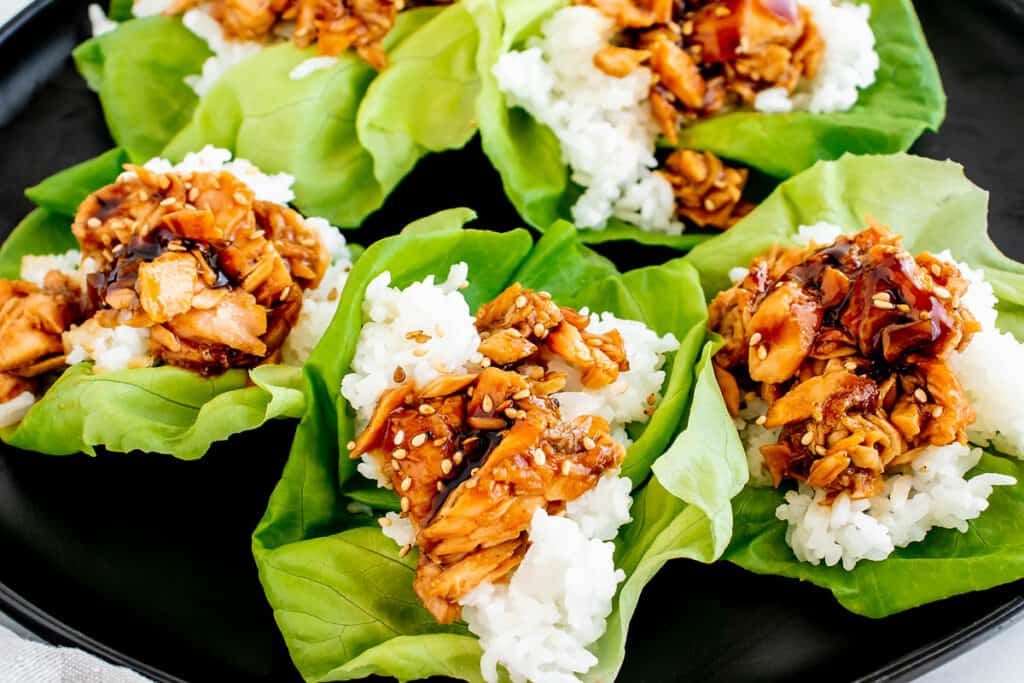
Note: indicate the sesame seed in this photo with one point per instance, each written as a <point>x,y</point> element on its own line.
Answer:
<point>485,363</point>
<point>648,411</point>
<point>762,352</point>
<point>903,308</point>
<point>384,521</point>
<point>399,375</point>
<point>446,466</point>
<point>538,329</point>
<point>566,467</point>
<point>511,413</point>
<point>143,196</point>
<point>521,394</point>
<point>709,204</point>
<point>487,404</point>
<point>936,269</point>
<point>937,412</point>
<point>820,450</point>
<point>544,295</point>
<point>439,441</point>
<point>884,305</point>
<point>807,438</point>
<point>405,503</point>
<point>588,443</point>
<point>539,457</point>
<point>193,194</point>
<point>761,419</point>
<point>94,223</point>
<point>850,365</point>
<point>351,445</point>
<point>406,484</point>
<point>688,28</point>
<point>457,457</point>
<point>520,301</point>
<point>439,486</point>
<point>239,197</point>
<point>399,453</point>
<point>169,201</point>
<point>426,409</point>
<point>419,439</point>
<point>920,395</point>
<point>756,338</point>
<point>652,399</point>
<point>404,551</point>
<point>885,296</point>
<point>419,352</point>
<point>942,292</point>
<point>395,466</point>
<point>399,437</point>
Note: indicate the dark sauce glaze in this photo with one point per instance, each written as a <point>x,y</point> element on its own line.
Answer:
<point>125,270</point>
<point>476,447</point>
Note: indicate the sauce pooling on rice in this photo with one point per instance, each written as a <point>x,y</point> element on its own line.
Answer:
<point>474,455</point>
<point>848,345</point>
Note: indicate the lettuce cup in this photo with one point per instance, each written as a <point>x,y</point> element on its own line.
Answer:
<point>579,95</point>
<point>345,99</point>
<point>175,308</point>
<point>498,461</point>
<point>870,344</point>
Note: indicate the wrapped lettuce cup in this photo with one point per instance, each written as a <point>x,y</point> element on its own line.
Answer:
<point>459,496</point>
<point>578,95</point>
<point>871,355</point>
<point>173,309</point>
<point>346,100</point>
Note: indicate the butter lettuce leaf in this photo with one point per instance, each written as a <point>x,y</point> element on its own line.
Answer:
<point>343,598</point>
<point>935,207</point>
<point>906,99</point>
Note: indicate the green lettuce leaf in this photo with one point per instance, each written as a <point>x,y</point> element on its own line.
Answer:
<point>906,99</point>
<point>934,205</point>
<point>343,598</point>
<point>345,161</point>
<point>62,192</point>
<point>138,70</point>
<point>158,410</point>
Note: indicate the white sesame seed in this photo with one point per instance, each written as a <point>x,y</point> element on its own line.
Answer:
<point>399,454</point>
<point>405,503</point>
<point>566,467</point>
<point>521,394</point>
<point>920,395</point>
<point>937,412</point>
<point>539,457</point>
<point>807,438</point>
<point>520,301</point>
<point>94,223</point>
<point>936,269</point>
<point>487,404</point>
<point>884,296</point>
<point>406,484</point>
<point>446,466</point>
<point>426,409</point>
<point>457,457</point>
<point>588,443</point>
<point>761,420</point>
<point>399,437</point>
<point>942,292</point>
<point>883,305</point>
<point>419,440</point>
<point>351,445</point>
<point>538,329</point>
<point>762,352</point>
<point>756,338</point>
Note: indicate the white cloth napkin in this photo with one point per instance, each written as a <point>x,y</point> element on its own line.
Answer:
<point>23,660</point>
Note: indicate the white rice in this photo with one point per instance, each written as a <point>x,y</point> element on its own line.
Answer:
<point>319,305</point>
<point>110,348</point>
<point>12,411</point>
<point>821,233</point>
<point>849,64</point>
<point>931,492</point>
<point>538,625</point>
<point>399,529</point>
<point>99,21</point>
<point>438,310</point>
<point>149,8</point>
<point>624,400</point>
<point>754,436</point>
<point>311,66</point>
<point>557,601</point>
<point>276,188</point>
<point>991,370</point>
<point>34,268</point>
<point>226,52</point>
<point>604,124</point>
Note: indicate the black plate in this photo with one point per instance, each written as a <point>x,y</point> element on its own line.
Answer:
<point>150,556</point>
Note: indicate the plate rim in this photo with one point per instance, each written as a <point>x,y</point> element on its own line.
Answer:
<point>53,630</point>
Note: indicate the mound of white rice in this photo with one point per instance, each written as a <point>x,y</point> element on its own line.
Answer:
<point>12,411</point>
<point>320,304</point>
<point>276,188</point>
<point>930,492</point>
<point>110,348</point>
<point>35,267</point>
<point>627,398</point>
<point>849,65</point>
<point>604,124</point>
<point>538,625</point>
<point>226,52</point>
<point>991,370</point>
